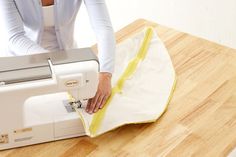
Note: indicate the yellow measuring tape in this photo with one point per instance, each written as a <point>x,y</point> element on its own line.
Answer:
<point>129,71</point>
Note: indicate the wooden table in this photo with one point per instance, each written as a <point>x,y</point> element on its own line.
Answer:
<point>200,120</point>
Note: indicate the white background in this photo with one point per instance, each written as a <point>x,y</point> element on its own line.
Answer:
<point>214,20</point>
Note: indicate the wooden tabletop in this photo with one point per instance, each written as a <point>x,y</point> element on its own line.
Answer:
<point>200,120</point>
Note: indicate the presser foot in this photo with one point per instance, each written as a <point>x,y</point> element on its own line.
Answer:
<point>76,104</point>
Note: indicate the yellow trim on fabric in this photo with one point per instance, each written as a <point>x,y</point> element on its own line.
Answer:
<point>129,71</point>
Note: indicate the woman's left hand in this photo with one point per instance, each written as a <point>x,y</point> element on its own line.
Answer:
<point>102,94</point>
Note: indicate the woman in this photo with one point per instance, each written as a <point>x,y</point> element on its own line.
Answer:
<point>36,26</point>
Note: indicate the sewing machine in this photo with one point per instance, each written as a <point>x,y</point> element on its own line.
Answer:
<point>34,106</point>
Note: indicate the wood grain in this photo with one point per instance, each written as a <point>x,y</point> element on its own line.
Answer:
<point>200,120</point>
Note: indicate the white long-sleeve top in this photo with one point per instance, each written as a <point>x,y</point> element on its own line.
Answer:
<point>49,38</point>
<point>24,24</point>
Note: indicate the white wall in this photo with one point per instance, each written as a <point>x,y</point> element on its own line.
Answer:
<point>214,20</point>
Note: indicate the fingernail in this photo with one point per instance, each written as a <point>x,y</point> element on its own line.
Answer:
<point>90,112</point>
<point>96,110</point>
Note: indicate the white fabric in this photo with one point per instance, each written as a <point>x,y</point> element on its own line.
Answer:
<point>145,96</point>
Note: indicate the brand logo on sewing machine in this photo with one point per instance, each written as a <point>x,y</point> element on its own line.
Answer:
<point>71,83</point>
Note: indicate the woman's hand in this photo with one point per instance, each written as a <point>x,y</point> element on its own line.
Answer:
<point>103,93</point>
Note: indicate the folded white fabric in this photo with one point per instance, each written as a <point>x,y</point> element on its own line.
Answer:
<point>145,95</point>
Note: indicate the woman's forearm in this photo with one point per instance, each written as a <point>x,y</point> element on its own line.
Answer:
<point>17,41</point>
<point>21,45</point>
<point>102,26</point>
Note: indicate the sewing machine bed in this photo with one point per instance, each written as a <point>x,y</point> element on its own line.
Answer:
<point>53,109</point>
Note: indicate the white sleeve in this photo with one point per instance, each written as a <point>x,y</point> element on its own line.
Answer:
<point>101,24</point>
<point>17,41</point>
